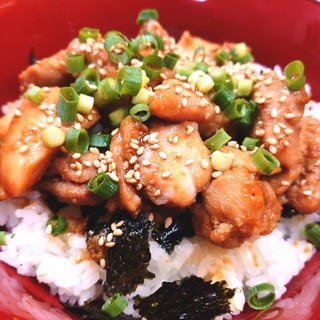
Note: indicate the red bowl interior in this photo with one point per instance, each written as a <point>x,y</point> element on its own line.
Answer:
<point>277,31</point>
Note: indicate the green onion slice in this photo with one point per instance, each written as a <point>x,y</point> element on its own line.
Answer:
<point>223,97</point>
<point>87,82</point>
<point>250,143</point>
<point>261,296</point>
<point>117,47</point>
<point>240,53</point>
<point>76,62</point>
<point>199,54</point>
<point>58,223</point>
<point>265,161</point>
<point>102,186</point>
<point>312,232</point>
<point>147,14</point>
<point>86,33</point>
<point>294,73</point>
<point>35,94</point>
<point>67,104</point>
<point>77,140</point>
<point>53,137</point>
<point>118,115</point>
<point>3,238</point>
<point>170,60</point>
<point>100,141</point>
<point>140,112</point>
<point>129,80</point>
<point>85,103</point>
<point>145,45</point>
<point>107,92</point>
<point>152,65</point>
<point>218,140</point>
<point>244,87</point>
<point>222,56</point>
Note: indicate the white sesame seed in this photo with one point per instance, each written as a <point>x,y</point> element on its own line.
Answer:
<point>140,150</point>
<point>168,222</point>
<point>23,149</point>
<point>282,98</point>
<point>76,155</point>
<point>146,162</point>
<point>109,237</point>
<point>110,244</point>
<point>101,241</point>
<point>48,229</point>
<point>272,141</point>
<point>273,149</point>
<point>120,223</point>
<point>204,163</point>
<point>307,192</point>
<point>216,174</point>
<point>157,193</point>
<point>190,129</point>
<point>184,102</point>
<point>189,162</point>
<point>102,263</point>
<point>118,232</point>
<point>154,146</point>
<point>285,183</point>
<point>274,112</point>
<point>260,100</point>
<point>134,146</point>
<point>166,174</point>
<point>113,177</point>
<point>162,155</point>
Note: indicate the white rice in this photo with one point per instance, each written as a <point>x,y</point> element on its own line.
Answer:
<point>55,261</point>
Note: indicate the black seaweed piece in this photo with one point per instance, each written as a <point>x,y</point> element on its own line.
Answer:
<point>128,260</point>
<point>168,238</point>
<point>93,312</point>
<point>288,211</point>
<point>192,298</point>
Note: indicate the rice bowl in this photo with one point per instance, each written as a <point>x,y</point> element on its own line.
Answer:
<point>254,261</point>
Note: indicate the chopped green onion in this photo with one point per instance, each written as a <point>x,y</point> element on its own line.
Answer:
<point>294,73</point>
<point>147,14</point>
<point>142,96</point>
<point>201,66</point>
<point>3,238</point>
<point>223,97</point>
<point>117,47</point>
<point>129,80</point>
<point>77,140</point>
<point>100,141</point>
<point>118,115</point>
<point>261,296</point>
<point>76,62</point>
<point>145,45</point>
<point>107,92</point>
<point>265,161</point>
<point>240,53</point>
<point>35,94</point>
<point>87,82</point>
<point>140,112</point>
<point>250,143</point>
<point>86,33</point>
<point>85,103</point>
<point>222,56</point>
<point>152,65</point>
<point>58,225</point>
<point>67,104</point>
<point>199,54</point>
<point>241,111</point>
<point>53,137</point>
<point>170,60</point>
<point>102,186</point>
<point>219,76</point>
<point>114,305</point>
<point>312,232</point>
<point>218,140</point>
<point>244,87</point>
<point>204,83</point>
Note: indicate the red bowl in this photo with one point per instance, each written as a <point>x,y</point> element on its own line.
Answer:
<point>277,31</point>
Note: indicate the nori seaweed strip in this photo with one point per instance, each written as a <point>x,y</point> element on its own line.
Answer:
<point>191,298</point>
<point>128,260</point>
<point>92,312</point>
<point>168,238</point>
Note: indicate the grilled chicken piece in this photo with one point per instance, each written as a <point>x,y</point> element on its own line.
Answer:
<point>175,164</point>
<point>236,205</point>
<point>278,125</point>
<point>52,71</point>
<point>22,152</point>
<point>304,193</point>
